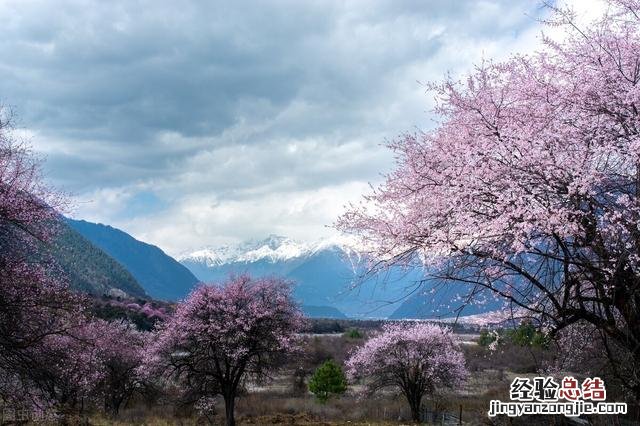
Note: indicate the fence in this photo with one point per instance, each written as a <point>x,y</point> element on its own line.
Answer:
<point>441,417</point>
<point>426,416</point>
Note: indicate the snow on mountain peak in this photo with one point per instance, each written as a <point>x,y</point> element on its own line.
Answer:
<point>274,248</point>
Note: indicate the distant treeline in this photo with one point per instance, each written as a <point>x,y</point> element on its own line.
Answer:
<point>331,325</point>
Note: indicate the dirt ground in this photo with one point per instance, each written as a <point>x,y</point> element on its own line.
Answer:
<point>276,419</point>
<point>304,420</point>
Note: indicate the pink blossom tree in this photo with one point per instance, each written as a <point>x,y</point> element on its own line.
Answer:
<point>66,370</point>
<point>51,352</point>
<point>222,335</point>
<point>28,207</point>
<point>529,187</point>
<point>580,348</point>
<point>33,306</point>
<point>120,350</point>
<point>35,302</point>
<point>95,363</point>
<point>414,359</point>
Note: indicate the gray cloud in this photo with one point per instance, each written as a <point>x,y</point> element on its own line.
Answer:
<point>232,103</point>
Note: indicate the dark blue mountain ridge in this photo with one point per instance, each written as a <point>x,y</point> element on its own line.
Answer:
<point>159,274</point>
<point>322,312</point>
<point>87,268</point>
<point>439,299</point>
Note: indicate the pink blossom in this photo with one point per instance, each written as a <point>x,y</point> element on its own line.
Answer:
<point>528,187</point>
<point>416,359</point>
<point>223,334</point>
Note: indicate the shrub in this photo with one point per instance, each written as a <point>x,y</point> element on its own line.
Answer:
<point>353,333</point>
<point>327,380</point>
<point>527,335</point>
<point>486,338</point>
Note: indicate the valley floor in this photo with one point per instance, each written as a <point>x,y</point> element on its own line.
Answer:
<point>286,401</point>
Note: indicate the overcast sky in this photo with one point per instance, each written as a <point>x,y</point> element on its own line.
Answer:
<point>193,123</point>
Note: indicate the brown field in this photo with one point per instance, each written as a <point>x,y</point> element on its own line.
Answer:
<point>285,400</point>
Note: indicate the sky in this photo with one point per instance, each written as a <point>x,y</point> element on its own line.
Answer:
<point>196,123</point>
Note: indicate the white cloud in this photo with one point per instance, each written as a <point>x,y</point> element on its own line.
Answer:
<point>207,220</point>
<point>214,123</point>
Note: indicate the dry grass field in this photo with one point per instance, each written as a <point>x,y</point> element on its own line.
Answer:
<point>285,400</point>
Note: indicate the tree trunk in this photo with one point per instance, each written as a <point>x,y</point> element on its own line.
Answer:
<point>229,408</point>
<point>414,399</point>
<point>415,412</point>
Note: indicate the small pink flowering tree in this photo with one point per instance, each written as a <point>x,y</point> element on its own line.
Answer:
<point>67,370</point>
<point>119,350</point>
<point>96,362</point>
<point>33,306</point>
<point>529,188</point>
<point>223,334</point>
<point>414,359</point>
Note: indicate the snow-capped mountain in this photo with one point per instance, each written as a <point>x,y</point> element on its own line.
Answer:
<point>325,272</point>
<point>273,249</point>
<point>330,274</point>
